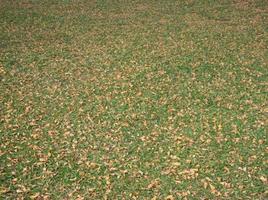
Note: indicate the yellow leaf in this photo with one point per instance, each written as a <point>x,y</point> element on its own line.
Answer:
<point>169,197</point>
<point>263,179</point>
<point>205,185</point>
<point>213,189</point>
<point>176,164</point>
<point>34,196</point>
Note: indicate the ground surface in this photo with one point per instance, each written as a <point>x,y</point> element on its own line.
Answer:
<point>133,99</point>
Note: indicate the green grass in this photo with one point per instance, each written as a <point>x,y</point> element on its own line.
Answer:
<point>110,99</point>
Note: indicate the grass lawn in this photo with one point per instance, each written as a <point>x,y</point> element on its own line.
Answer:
<point>133,99</point>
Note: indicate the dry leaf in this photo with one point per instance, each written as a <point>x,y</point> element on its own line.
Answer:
<point>153,184</point>
<point>170,197</point>
<point>34,196</point>
<point>3,190</point>
<point>263,179</point>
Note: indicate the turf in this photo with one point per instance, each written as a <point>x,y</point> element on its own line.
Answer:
<point>108,99</point>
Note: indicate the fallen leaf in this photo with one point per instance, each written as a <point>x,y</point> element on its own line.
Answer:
<point>153,184</point>
<point>34,196</point>
<point>169,197</point>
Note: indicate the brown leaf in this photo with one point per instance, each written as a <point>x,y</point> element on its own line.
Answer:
<point>34,196</point>
<point>3,190</point>
<point>169,197</point>
<point>153,184</point>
